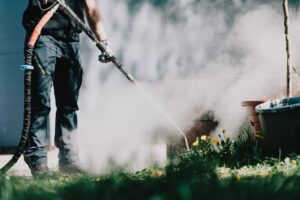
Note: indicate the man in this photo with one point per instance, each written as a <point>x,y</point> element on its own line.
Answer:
<point>56,61</point>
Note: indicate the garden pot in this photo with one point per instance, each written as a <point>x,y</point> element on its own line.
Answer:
<point>280,122</point>
<point>253,116</point>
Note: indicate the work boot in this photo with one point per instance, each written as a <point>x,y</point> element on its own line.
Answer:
<point>71,168</point>
<point>39,170</point>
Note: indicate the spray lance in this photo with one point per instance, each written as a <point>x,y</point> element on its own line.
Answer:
<point>67,10</point>
<point>27,67</point>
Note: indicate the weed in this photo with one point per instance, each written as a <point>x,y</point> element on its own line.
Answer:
<point>227,151</point>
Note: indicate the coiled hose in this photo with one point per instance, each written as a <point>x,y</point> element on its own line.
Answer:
<point>28,54</point>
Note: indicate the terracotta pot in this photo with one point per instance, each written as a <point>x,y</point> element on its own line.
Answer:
<point>253,116</point>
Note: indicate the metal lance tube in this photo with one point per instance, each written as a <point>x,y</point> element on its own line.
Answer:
<point>28,53</point>
<point>91,35</point>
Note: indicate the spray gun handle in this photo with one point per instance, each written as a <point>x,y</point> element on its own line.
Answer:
<point>104,58</point>
<point>101,47</point>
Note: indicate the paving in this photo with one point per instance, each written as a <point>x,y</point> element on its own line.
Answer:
<point>146,156</point>
<point>21,169</point>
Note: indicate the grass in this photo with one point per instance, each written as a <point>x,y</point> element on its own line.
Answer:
<point>278,180</point>
<point>212,170</point>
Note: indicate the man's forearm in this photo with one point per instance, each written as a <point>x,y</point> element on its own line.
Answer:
<point>95,19</point>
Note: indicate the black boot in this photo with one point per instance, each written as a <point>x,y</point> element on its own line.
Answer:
<point>39,170</point>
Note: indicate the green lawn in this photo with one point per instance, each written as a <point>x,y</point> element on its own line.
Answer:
<point>278,180</point>
<point>231,172</point>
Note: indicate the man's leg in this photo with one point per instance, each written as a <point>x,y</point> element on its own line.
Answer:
<point>35,153</point>
<point>67,82</point>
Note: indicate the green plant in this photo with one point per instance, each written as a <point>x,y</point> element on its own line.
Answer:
<point>243,150</point>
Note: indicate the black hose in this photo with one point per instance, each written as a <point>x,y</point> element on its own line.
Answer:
<point>28,53</point>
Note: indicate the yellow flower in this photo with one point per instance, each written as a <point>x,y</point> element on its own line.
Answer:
<point>261,174</point>
<point>259,136</point>
<point>195,143</point>
<point>215,140</point>
<point>294,162</point>
<point>203,137</point>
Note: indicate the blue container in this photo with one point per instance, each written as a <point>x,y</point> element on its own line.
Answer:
<point>280,122</point>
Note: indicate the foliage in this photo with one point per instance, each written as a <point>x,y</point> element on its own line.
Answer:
<point>263,181</point>
<point>244,150</point>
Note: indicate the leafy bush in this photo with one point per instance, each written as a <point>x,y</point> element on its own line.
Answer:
<point>244,150</point>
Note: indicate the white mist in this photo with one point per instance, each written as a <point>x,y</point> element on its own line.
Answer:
<point>201,60</point>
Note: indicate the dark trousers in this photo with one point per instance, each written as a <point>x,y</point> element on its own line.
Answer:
<point>61,66</point>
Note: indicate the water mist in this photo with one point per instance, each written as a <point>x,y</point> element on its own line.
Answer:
<point>191,56</point>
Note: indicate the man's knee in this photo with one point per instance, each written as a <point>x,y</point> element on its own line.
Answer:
<point>39,118</point>
<point>67,117</point>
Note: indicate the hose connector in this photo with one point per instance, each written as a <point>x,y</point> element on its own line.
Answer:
<point>26,67</point>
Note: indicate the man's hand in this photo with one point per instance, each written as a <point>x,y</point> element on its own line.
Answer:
<point>107,54</point>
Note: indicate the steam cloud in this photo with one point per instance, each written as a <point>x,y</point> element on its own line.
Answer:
<point>192,56</point>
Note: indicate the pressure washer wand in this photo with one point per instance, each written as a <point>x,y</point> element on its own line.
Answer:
<point>91,35</point>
